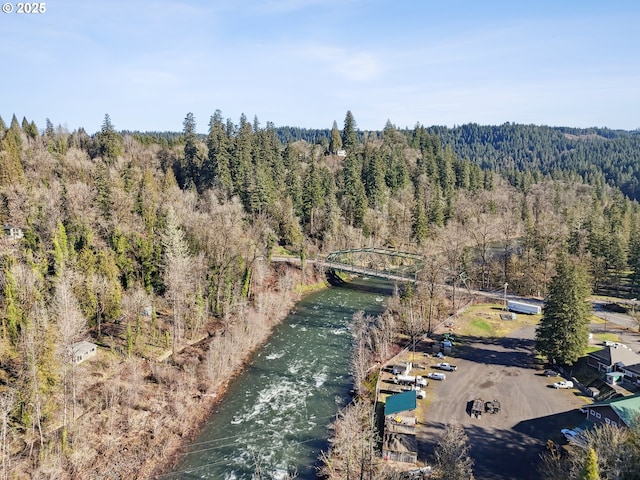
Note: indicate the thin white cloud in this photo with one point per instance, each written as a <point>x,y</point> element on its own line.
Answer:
<point>354,66</point>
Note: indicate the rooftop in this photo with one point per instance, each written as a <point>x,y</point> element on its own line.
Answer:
<point>400,402</point>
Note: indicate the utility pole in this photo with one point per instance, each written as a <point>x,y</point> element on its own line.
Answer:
<point>504,307</point>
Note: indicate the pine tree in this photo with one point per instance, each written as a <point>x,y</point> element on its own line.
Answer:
<point>349,135</point>
<point>335,142</point>
<point>49,130</point>
<point>191,167</point>
<point>108,141</point>
<point>590,468</point>
<point>563,333</point>
<point>11,170</point>
<point>419,227</point>
<point>215,169</point>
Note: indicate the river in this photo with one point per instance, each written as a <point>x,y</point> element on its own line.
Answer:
<point>274,417</point>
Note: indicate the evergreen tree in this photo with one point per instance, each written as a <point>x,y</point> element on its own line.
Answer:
<point>349,135</point>
<point>353,194</point>
<point>3,128</point>
<point>590,468</point>
<point>49,130</point>
<point>191,166</point>
<point>108,141</point>
<point>215,169</point>
<point>419,226</point>
<point>11,170</point>
<point>335,142</point>
<point>293,180</point>
<point>563,333</point>
<point>634,256</point>
<point>374,178</point>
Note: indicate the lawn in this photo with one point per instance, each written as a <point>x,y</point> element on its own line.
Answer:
<point>483,320</point>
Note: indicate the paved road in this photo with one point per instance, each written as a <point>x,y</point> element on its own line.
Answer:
<point>626,321</point>
<point>505,445</point>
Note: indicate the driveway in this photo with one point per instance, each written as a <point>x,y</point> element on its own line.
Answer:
<point>504,445</point>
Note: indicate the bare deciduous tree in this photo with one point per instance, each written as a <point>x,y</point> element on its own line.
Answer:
<point>177,273</point>
<point>7,402</point>
<point>452,460</point>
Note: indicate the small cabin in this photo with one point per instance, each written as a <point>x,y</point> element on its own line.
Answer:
<point>12,232</point>
<point>80,351</point>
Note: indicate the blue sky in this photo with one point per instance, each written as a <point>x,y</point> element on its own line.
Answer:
<point>306,62</point>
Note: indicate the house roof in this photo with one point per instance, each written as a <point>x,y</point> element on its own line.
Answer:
<point>627,408</point>
<point>83,347</point>
<point>400,402</point>
<point>616,355</point>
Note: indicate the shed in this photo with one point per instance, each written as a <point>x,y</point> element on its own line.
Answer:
<point>80,351</point>
<point>400,402</point>
<point>13,232</point>
<point>399,441</point>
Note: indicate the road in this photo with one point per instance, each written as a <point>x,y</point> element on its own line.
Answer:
<point>621,319</point>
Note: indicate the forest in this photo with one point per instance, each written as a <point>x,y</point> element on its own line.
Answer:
<point>185,223</point>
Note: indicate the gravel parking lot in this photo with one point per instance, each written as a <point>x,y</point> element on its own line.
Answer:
<point>504,445</point>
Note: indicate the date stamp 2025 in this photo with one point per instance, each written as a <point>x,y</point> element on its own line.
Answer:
<point>24,8</point>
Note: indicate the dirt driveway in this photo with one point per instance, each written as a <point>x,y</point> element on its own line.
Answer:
<point>505,445</point>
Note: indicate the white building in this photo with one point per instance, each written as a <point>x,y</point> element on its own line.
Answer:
<point>80,351</point>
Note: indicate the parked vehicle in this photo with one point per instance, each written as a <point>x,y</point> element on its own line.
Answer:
<point>563,384</point>
<point>410,380</point>
<point>446,366</point>
<point>521,307</point>
<point>476,408</point>
<point>551,373</point>
<point>420,393</point>
<point>436,375</point>
<point>492,407</point>
<point>573,436</point>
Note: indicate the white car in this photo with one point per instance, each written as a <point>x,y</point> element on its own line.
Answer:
<point>436,375</point>
<point>563,384</point>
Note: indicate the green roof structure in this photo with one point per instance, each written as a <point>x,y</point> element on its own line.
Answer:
<point>627,408</point>
<point>400,402</point>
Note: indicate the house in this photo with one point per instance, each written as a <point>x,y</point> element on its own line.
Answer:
<point>80,351</point>
<point>12,232</point>
<point>399,439</point>
<point>617,412</point>
<point>615,361</point>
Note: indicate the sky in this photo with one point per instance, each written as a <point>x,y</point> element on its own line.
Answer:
<point>305,63</point>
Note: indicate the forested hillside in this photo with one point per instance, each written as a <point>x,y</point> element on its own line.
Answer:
<point>114,223</point>
<point>597,155</point>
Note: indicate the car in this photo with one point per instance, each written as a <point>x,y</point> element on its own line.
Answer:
<point>436,375</point>
<point>574,436</point>
<point>563,384</point>
<point>446,366</point>
<point>551,373</point>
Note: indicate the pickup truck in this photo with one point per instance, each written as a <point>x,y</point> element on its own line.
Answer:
<point>446,366</point>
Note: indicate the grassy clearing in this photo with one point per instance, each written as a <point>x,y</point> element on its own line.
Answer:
<point>483,320</point>
<point>603,337</point>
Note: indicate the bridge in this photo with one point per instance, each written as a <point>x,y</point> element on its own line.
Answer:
<point>376,262</point>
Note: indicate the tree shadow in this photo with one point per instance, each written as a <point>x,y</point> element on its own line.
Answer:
<point>505,454</point>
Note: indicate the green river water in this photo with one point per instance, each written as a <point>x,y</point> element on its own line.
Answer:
<point>274,418</point>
